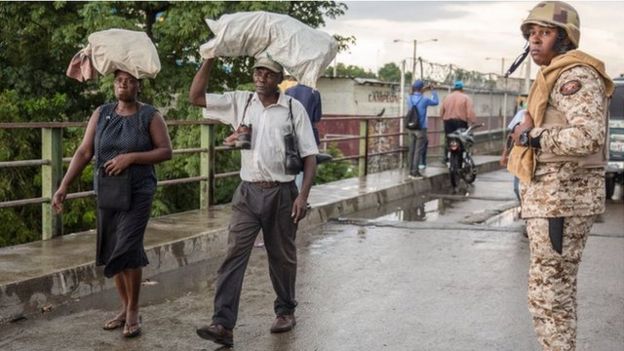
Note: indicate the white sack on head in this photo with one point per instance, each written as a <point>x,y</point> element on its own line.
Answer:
<point>126,50</point>
<point>303,51</point>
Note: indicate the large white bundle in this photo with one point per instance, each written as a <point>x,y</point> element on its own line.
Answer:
<point>126,50</point>
<point>303,51</point>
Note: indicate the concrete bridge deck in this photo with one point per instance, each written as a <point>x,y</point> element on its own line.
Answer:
<point>378,276</point>
<point>46,275</point>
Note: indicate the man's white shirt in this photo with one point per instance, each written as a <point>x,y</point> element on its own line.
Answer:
<point>265,160</point>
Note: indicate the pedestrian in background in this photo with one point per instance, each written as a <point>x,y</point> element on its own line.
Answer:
<point>311,101</point>
<point>565,127</point>
<point>124,136</point>
<point>515,121</point>
<point>267,198</point>
<point>457,110</point>
<point>417,155</point>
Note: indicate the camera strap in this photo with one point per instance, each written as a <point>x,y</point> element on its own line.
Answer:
<point>245,109</point>
<point>290,116</point>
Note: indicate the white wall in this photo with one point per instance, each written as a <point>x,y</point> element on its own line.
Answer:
<point>344,96</point>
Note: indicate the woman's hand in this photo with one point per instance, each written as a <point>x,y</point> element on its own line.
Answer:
<point>118,164</point>
<point>58,198</point>
<point>527,123</point>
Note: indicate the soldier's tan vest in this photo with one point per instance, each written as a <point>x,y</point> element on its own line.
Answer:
<point>523,160</point>
<point>555,118</point>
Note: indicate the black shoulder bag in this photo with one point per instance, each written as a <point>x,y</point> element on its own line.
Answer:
<point>293,164</point>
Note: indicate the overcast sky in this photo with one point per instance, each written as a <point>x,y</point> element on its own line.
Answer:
<point>467,32</point>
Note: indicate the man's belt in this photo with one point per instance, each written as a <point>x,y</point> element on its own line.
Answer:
<point>266,184</point>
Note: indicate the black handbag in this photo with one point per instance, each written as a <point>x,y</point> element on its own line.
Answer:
<point>293,164</point>
<point>114,191</point>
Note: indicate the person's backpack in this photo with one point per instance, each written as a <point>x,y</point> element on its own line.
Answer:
<point>412,118</point>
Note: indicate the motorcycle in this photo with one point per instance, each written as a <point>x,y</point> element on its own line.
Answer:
<point>459,152</point>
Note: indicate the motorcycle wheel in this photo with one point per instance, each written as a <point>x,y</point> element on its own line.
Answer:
<point>454,169</point>
<point>470,170</point>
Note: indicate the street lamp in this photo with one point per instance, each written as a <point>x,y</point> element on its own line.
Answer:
<point>414,55</point>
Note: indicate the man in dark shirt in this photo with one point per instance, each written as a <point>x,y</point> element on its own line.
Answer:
<point>311,100</point>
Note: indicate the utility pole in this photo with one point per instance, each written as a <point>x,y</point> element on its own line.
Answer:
<point>402,109</point>
<point>402,92</point>
<point>527,77</point>
<point>414,57</point>
<point>414,61</point>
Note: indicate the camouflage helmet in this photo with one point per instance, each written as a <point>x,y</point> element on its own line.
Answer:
<point>554,14</point>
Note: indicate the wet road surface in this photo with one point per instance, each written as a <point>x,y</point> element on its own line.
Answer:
<point>388,279</point>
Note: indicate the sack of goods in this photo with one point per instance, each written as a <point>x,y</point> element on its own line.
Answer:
<point>116,49</point>
<point>303,51</point>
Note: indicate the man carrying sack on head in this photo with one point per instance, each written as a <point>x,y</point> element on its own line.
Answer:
<point>267,197</point>
<point>559,155</point>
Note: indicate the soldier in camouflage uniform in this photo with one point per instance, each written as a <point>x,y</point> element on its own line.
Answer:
<point>566,128</point>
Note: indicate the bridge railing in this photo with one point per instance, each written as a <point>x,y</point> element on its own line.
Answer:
<point>52,159</point>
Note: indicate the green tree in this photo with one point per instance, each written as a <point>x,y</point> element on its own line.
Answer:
<point>37,41</point>
<point>390,73</point>
<point>350,71</point>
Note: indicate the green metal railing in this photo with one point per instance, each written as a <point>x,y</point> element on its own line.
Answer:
<point>52,161</point>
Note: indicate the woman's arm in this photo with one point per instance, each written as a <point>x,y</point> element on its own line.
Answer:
<point>79,161</point>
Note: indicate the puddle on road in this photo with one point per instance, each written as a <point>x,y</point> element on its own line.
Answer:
<point>412,209</point>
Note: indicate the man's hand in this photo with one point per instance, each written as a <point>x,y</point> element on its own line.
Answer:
<point>527,123</point>
<point>300,206</point>
<point>118,164</point>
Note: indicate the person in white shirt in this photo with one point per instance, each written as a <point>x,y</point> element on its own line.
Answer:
<point>515,121</point>
<point>267,197</point>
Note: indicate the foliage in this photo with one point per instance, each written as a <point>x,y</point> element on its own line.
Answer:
<point>350,71</point>
<point>390,72</point>
<point>335,170</point>
<point>37,41</point>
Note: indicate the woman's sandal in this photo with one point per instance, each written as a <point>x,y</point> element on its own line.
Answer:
<point>132,330</point>
<point>114,323</point>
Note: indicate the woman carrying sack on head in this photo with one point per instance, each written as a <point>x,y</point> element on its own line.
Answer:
<point>127,138</point>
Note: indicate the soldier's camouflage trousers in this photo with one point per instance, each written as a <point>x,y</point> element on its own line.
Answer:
<point>552,280</point>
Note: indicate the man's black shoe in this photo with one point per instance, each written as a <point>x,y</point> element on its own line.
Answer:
<point>216,333</point>
<point>283,323</point>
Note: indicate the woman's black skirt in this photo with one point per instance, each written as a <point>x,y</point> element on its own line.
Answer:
<point>120,236</point>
